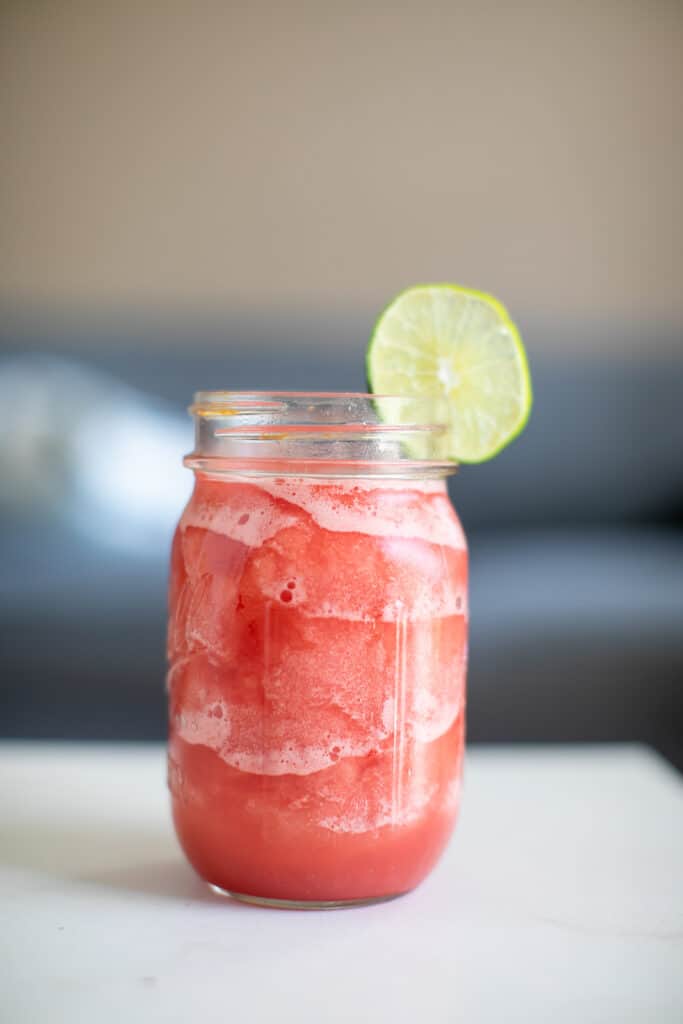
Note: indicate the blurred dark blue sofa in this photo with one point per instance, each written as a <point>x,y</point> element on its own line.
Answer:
<point>575,539</point>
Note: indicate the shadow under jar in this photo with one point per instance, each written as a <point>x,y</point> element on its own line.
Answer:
<point>317,647</point>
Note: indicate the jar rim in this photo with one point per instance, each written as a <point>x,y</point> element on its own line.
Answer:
<point>229,402</point>
<point>336,431</point>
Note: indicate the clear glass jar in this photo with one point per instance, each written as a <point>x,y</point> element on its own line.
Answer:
<point>317,647</point>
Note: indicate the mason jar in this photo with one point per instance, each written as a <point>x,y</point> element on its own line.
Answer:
<point>317,648</point>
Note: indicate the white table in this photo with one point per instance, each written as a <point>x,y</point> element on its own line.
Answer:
<point>560,899</point>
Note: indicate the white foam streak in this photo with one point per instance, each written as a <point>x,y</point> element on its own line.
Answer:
<point>213,726</point>
<point>361,817</point>
<point>251,523</point>
<point>253,517</point>
<point>332,507</point>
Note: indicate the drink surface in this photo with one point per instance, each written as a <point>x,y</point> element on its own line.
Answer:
<point>317,649</point>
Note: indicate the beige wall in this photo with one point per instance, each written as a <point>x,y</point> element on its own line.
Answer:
<point>307,156</point>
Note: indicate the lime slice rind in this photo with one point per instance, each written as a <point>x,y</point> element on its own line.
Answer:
<point>458,343</point>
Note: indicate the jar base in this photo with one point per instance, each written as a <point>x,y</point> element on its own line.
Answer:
<point>267,901</point>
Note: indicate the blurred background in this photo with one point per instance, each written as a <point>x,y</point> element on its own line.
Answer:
<point>203,195</point>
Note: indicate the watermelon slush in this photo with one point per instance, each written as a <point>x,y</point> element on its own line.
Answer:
<point>317,650</point>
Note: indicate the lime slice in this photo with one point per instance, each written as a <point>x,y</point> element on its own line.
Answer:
<point>458,344</point>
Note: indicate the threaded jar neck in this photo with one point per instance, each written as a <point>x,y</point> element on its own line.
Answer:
<point>338,434</point>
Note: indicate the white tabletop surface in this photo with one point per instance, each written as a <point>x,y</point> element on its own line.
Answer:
<point>560,899</point>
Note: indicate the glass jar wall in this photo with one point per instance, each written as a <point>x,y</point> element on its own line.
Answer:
<point>317,648</point>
